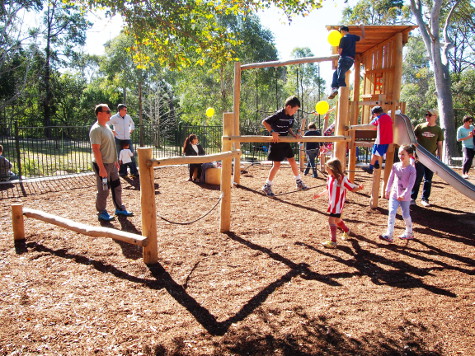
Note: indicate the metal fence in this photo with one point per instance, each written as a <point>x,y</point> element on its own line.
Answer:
<point>62,150</point>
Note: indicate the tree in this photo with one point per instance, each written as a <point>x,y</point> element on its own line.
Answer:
<point>183,33</point>
<point>381,12</point>
<point>438,43</point>
<point>15,64</point>
<point>64,28</point>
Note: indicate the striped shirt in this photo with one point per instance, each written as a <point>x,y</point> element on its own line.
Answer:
<point>337,193</point>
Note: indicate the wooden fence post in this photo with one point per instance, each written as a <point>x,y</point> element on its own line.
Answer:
<point>18,223</point>
<point>226,170</point>
<point>147,203</point>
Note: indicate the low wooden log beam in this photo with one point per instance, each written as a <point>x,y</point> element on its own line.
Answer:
<point>94,231</point>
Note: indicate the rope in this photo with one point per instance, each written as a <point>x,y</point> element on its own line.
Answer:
<point>192,221</point>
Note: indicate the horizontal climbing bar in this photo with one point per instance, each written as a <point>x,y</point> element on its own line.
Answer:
<point>95,231</point>
<point>255,138</point>
<point>169,161</point>
<point>289,62</point>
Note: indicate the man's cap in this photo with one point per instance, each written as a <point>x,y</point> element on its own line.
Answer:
<point>434,112</point>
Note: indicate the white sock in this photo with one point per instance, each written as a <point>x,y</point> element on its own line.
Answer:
<point>269,182</point>
<point>297,177</point>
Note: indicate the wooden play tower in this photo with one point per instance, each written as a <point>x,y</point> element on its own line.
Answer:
<point>375,79</point>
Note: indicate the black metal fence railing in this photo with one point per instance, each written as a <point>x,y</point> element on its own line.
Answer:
<point>62,150</point>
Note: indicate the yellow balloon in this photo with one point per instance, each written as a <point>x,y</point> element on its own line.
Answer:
<point>334,37</point>
<point>209,112</point>
<point>322,107</point>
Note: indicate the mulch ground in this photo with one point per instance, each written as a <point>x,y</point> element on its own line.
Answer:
<point>265,288</point>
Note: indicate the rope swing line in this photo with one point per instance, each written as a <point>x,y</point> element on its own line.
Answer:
<point>192,221</point>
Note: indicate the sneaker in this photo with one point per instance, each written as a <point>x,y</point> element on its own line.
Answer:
<point>329,244</point>
<point>386,238</point>
<point>333,93</point>
<point>413,202</point>
<point>368,170</point>
<point>300,185</point>
<point>345,235</point>
<point>315,175</point>
<point>465,176</point>
<point>268,190</point>
<point>104,216</point>
<point>123,212</point>
<point>425,202</point>
<point>376,165</point>
<point>407,236</point>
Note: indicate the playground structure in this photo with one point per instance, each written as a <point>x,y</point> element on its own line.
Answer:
<point>379,62</point>
<point>381,55</point>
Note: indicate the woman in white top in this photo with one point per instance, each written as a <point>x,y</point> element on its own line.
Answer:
<point>191,147</point>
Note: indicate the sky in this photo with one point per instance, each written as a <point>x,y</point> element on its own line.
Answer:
<point>309,31</point>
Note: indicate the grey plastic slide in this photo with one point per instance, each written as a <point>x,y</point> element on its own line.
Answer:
<point>404,134</point>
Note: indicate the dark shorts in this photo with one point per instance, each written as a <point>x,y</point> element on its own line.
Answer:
<point>280,151</point>
<point>380,150</point>
<point>335,215</point>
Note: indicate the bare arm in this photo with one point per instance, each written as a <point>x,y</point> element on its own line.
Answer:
<point>439,149</point>
<point>96,150</point>
<point>275,135</point>
<point>362,32</point>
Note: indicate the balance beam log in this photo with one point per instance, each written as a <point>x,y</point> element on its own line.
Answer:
<point>256,138</point>
<point>169,161</point>
<point>89,230</point>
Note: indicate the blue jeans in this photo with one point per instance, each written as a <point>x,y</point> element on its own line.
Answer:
<point>344,65</point>
<point>311,155</point>
<point>468,154</point>
<point>422,172</point>
<point>393,204</point>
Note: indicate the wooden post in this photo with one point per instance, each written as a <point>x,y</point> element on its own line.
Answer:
<point>18,223</point>
<point>236,109</point>
<point>147,202</point>
<point>375,189</point>
<point>226,171</point>
<point>396,89</point>
<point>301,145</point>
<point>352,156</point>
<point>342,121</point>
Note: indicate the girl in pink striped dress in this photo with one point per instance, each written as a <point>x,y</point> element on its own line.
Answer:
<point>337,185</point>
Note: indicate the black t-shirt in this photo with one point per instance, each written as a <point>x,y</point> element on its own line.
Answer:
<point>312,145</point>
<point>280,122</point>
<point>348,45</point>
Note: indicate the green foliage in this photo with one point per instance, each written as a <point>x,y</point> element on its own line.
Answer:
<point>380,12</point>
<point>463,88</point>
<point>183,33</point>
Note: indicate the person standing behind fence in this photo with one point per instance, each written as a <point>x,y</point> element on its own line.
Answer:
<point>280,124</point>
<point>106,165</point>
<point>465,134</point>
<point>122,127</point>
<point>5,173</point>
<point>312,149</point>
<point>191,147</point>
<point>125,159</point>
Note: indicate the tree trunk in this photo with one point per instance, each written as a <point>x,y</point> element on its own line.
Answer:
<point>431,35</point>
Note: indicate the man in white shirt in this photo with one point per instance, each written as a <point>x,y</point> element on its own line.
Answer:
<point>122,127</point>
